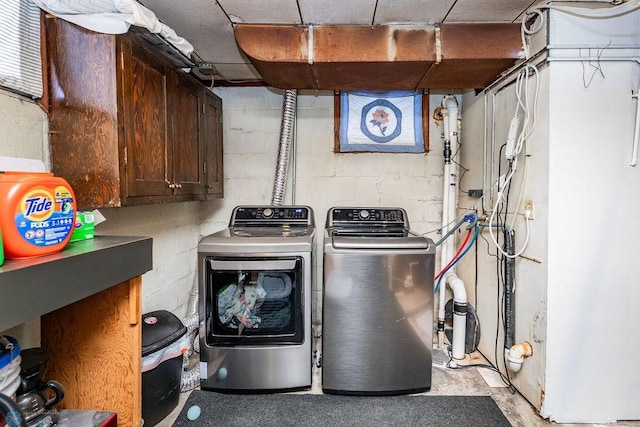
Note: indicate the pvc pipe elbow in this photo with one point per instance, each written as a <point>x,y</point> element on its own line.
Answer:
<point>457,286</point>
<point>450,102</point>
<point>516,354</point>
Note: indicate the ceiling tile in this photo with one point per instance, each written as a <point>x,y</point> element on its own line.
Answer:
<point>337,12</point>
<point>203,24</point>
<point>190,18</point>
<point>412,11</point>
<point>262,11</point>
<point>223,50</point>
<point>487,10</point>
<point>236,73</point>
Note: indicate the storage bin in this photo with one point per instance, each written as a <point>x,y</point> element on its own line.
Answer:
<point>164,340</point>
<point>9,366</point>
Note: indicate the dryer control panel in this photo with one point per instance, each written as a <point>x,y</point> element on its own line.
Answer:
<point>271,215</point>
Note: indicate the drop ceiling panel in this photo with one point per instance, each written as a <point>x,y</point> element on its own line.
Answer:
<point>237,73</point>
<point>203,24</point>
<point>262,11</point>
<point>487,10</point>
<point>223,50</point>
<point>191,18</point>
<point>412,11</point>
<point>337,12</point>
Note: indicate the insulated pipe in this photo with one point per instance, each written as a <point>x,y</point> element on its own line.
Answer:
<point>509,286</point>
<point>514,353</point>
<point>509,275</point>
<point>288,118</point>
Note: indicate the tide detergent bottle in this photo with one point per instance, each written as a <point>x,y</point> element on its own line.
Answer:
<point>37,213</point>
<point>1,249</point>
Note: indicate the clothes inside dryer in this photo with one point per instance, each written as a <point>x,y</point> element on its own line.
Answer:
<point>255,303</point>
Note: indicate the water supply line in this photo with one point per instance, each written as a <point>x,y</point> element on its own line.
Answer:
<point>449,110</point>
<point>286,127</point>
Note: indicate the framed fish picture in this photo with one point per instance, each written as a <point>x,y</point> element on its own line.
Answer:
<point>388,122</point>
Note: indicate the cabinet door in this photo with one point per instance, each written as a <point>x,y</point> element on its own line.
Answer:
<point>83,119</point>
<point>213,142</point>
<point>144,108</point>
<point>186,130</point>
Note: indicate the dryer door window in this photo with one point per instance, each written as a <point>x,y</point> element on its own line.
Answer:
<point>254,301</point>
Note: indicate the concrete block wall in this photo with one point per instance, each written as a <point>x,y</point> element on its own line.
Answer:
<point>23,129</point>
<point>23,133</point>
<point>175,229</point>
<point>318,177</point>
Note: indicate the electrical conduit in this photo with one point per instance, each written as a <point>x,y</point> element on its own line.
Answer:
<point>449,205</point>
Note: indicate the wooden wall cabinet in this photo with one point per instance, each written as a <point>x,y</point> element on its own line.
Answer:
<point>213,125</point>
<point>126,127</point>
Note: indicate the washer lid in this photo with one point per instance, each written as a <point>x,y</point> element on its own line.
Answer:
<point>374,242</point>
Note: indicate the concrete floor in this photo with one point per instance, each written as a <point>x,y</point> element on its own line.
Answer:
<point>461,382</point>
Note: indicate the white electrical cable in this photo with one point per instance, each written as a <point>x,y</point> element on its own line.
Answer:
<point>528,125</point>
<point>522,95</point>
<point>493,237</point>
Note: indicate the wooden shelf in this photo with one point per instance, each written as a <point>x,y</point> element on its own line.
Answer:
<point>89,298</point>
<point>33,287</point>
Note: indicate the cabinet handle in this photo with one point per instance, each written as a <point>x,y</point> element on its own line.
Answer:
<point>178,185</point>
<point>172,186</point>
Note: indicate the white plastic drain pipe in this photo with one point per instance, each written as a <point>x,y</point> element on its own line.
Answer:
<point>449,204</point>
<point>516,354</point>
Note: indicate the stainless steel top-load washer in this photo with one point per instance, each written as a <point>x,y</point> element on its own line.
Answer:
<point>377,316</point>
<point>255,301</point>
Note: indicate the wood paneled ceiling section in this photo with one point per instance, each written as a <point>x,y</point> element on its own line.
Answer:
<point>357,44</point>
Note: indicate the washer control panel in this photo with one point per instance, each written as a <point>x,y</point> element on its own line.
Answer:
<point>271,215</point>
<point>370,216</point>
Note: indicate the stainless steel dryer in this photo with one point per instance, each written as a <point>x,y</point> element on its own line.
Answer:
<point>377,303</point>
<point>255,300</point>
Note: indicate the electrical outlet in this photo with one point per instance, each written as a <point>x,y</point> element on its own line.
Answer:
<point>529,206</point>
